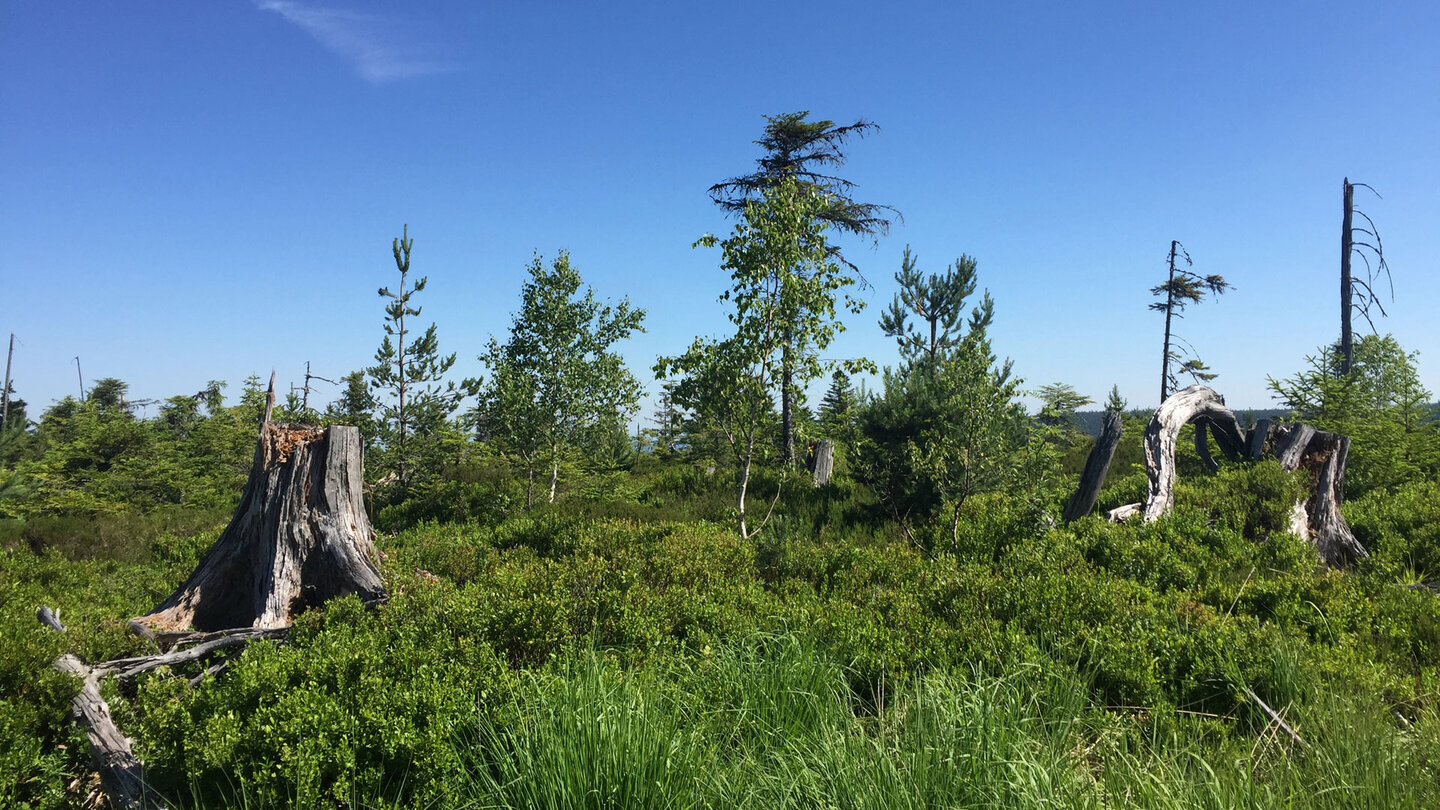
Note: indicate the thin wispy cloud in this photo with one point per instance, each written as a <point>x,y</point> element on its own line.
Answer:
<point>381,49</point>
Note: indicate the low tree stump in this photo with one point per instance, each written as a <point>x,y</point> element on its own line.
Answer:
<point>299,537</point>
<point>822,462</point>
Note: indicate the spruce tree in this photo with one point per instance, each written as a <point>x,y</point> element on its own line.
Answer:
<point>409,372</point>
<point>355,406</point>
<point>669,423</point>
<point>1115,403</point>
<point>1059,401</point>
<point>837,409</point>
<point>1181,287</point>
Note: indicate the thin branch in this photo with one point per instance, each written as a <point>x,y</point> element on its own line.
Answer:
<point>1276,718</point>
<point>1367,185</point>
<point>771,511</point>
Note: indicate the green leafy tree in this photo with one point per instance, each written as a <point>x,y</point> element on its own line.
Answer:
<point>1380,404</point>
<point>942,431</point>
<point>108,393</point>
<point>96,457</point>
<point>409,374</point>
<point>665,438</point>
<point>14,409</point>
<point>1058,404</point>
<point>1182,287</point>
<point>355,406</point>
<point>557,378</point>
<point>15,437</point>
<point>785,283</point>
<point>938,301</point>
<point>179,415</point>
<point>608,446</point>
<point>802,152</point>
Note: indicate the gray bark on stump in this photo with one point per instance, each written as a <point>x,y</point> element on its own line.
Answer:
<point>1322,455</point>
<point>1183,406</point>
<point>299,537</point>
<point>824,464</point>
<point>1097,466</point>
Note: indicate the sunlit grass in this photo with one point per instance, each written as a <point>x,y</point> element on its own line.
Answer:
<point>767,724</point>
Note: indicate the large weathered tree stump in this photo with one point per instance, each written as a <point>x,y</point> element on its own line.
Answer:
<point>1316,518</point>
<point>1322,455</point>
<point>299,537</point>
<point>1097,466</point>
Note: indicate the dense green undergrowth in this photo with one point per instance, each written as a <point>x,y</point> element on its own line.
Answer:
<point>624,648</point>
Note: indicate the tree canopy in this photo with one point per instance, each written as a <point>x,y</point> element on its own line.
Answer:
<point>557,377</point>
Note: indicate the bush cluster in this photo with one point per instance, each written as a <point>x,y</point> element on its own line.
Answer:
<point>831,635</point>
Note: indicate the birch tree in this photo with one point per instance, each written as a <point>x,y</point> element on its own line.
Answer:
<point>557,377</point>
<point>785,288</point>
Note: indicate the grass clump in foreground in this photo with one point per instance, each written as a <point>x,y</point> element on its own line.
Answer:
<point>768,723</point>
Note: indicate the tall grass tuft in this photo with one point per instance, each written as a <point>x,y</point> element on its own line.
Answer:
<point>768,723</point>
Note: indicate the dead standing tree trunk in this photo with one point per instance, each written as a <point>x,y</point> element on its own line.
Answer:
<point>1347,246</point>
<point>822,462</point>
<point>299,537</point>
<point>1097,466</point>
<point>1322,455</point>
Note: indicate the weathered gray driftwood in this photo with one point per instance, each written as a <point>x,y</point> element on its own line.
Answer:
<point>1202,448</point>
<point>206,644</point>
<point>1120,514</point>
<point>111,754</point>
<point>1184,406</point>
<point>50,619</point>
<point>121,774</point>
<point>1097,466</point>
<point>1255,440</point>
<point>299,537</point>
<point>1276,719</point>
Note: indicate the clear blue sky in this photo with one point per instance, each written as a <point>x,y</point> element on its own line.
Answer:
<point>206,190</point>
